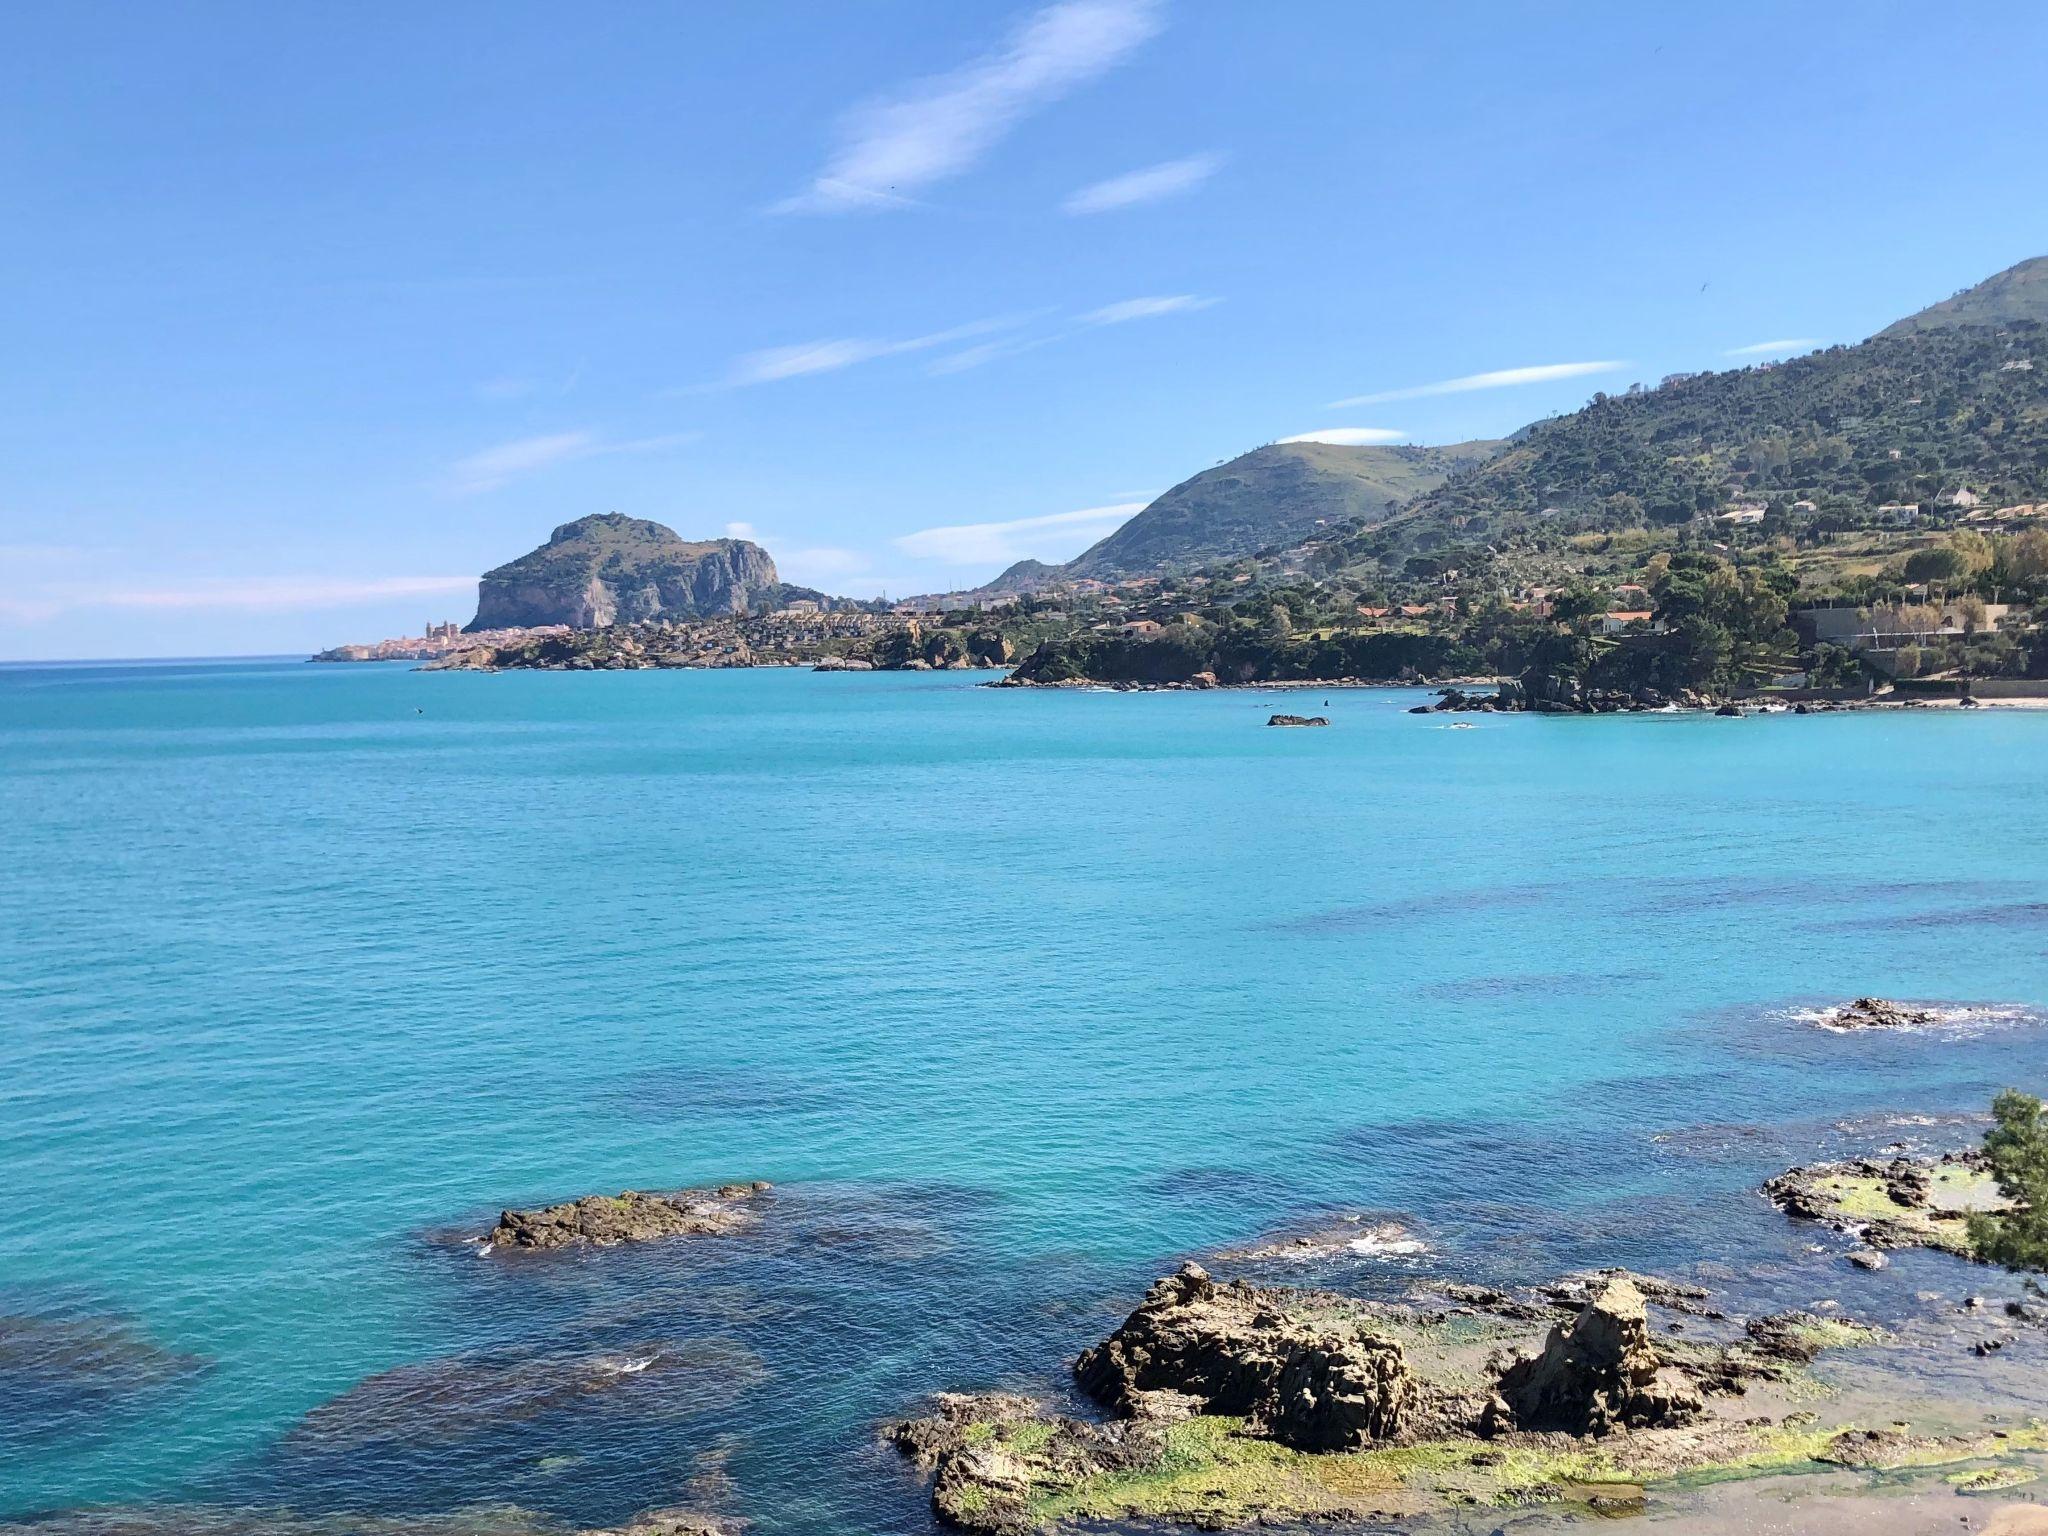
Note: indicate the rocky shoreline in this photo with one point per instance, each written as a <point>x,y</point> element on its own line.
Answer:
<point>1226,1404</point>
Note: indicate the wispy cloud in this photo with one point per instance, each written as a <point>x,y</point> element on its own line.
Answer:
<point>772,364</point>
<point>1770,348</point>
<point>495,466</point>
<point>1145,309</point>
<point>1349,437</point>
<point>519,386</point>
<point>246,594</point>
<point>1153,184</point>
<point>1053,536</point>
<point>1110,314</point>
<point>1499,378</point>
<point>892,148</point>
<point>990,352</point>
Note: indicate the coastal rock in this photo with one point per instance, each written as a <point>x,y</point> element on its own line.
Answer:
<point>1192,1375</point>
<point>1600,1374</point>
<point>1879,1013</point>
<point>1307,1382</point>
<point>1298,720</point>
<point>1899,1202</point>
<point>603,1221</point>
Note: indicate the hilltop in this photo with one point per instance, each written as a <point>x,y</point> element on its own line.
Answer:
<point>610,569</point>
<point>1275,495</point>
<point>2018,294</point>
<point>1269,498</point>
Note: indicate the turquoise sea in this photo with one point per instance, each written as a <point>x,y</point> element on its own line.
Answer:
<point>1017,996</point>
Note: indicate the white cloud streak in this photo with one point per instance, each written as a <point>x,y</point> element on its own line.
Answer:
<point>1349,437</point>
<point>1053,536</point>
<point>892,148</point>
<point>773,364</point>
<point>1145,309</point>
<point>1773,348</point>
<point>1153,184</point>
<point>502,463</point>
<point>1500,378</point>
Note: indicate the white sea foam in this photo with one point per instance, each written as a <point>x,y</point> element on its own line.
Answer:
<point>1383,1240</point>
<point>1945,1018</point>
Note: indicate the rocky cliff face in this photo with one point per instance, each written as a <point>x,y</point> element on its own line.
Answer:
<point>610,569</point>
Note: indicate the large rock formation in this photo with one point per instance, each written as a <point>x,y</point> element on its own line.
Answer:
<point>1313,1383</point>
<point>610,569</point>
<point>1600,1374</point>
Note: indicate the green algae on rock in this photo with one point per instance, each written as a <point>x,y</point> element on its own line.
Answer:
<point>1561,1394</point>
<point>1900,1202</point>
<point>604,1221</point>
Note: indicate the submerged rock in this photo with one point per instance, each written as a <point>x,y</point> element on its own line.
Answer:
<point>1313,1383</point>
<point>604,1221</point>
<point>58,1374</point>
<point>1600,1374</point>
<point>437,1402</point>
<point>475,1520</point>
<point>1349,1237</point>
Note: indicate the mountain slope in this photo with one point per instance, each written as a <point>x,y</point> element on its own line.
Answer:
<point>611,569</point>
<point>1275,495</point>
<point>1906,417</point>
<point>2018,294</point>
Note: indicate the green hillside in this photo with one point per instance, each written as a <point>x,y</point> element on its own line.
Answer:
<point>1276,495</point>
<point>1895,420</point>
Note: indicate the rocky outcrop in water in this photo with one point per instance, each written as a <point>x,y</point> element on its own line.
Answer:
<point>1599,1374</point>
<point>1879,1013</point>
<point>1298,720</point>
<point>1308,1382</point>
<point>609,569</point>
<point>1898,1202</point>
<point>603,1221</point>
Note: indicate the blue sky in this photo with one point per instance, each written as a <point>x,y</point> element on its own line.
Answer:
<point>316,312</point>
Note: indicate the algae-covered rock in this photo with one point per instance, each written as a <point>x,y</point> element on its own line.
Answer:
<point>1312,1381</point>
<point>604,1221</point>
<point>1898,1202</point>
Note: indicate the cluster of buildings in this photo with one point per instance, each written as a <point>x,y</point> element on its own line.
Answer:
<point>439,640</point>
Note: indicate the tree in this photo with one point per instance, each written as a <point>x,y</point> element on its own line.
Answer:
<point>2017,1148</point>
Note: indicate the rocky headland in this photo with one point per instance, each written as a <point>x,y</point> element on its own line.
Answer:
<point>605,1221</point>
<point>611,569</point>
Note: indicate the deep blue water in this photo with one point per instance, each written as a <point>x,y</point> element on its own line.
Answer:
<point>1018,997</point>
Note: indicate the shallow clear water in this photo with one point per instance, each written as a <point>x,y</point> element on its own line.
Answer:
<point>1018,996</point>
